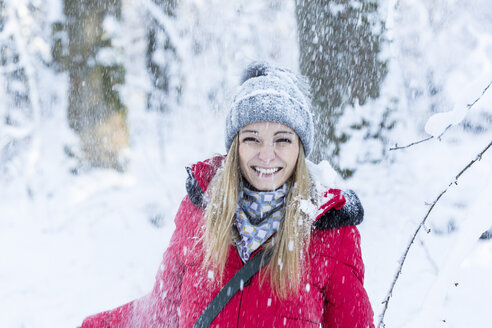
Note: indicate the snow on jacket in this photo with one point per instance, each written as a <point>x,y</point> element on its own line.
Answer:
<point>332,293</point>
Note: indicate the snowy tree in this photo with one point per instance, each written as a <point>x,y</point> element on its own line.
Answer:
<point>16,106</point>
<point>340,44</point>
<point>16,112</point>
<point>27,94</point>
<point>72,227</point>
<point>162,61</point>
<point>87,52</point>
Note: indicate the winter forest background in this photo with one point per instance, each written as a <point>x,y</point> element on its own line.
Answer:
<point>103,103</point>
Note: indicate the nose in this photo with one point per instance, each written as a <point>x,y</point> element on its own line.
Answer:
<point>267,153</point>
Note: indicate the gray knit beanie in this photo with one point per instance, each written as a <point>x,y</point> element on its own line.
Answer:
<point>271,94</point>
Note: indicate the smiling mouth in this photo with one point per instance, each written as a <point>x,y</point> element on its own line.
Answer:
<point>266,171</point>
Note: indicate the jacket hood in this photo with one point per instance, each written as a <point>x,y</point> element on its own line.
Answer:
<point>338,208</point>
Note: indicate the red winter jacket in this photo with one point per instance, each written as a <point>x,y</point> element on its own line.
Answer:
<point>332,293</point>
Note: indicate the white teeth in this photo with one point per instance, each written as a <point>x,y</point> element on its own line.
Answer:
<point>266,171</point>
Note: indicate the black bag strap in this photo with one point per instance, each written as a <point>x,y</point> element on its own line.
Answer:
<point>237,282</point>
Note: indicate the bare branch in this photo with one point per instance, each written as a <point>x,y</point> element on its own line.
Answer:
<point>422,224</point>
<point>479,157</point>
<point>468,107</point>
<point>473,103</point>
<point>396,147</point>
<point>429,256</point>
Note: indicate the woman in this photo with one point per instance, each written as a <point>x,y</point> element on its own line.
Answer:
<point>260,196</point>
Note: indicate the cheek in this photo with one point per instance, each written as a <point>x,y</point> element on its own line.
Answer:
<point>244,156</point>
<point>291,156</point>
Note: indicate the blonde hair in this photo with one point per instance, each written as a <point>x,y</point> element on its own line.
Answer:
<point>288,244</point>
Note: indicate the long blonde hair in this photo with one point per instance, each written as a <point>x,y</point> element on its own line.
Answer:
<point>288,244</point>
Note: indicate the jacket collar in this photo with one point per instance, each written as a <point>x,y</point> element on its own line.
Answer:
<point>338,208</point>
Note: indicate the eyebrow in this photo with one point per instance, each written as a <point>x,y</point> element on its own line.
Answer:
<point>281,132</point>
<point>256,132</point>
<point>249,131</point>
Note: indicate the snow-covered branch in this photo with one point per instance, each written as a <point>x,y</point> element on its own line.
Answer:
<point>422,223</point>
<point>12,33</point>
<point>449,119</point>
<point>25,62</point>
<point>163,21</point>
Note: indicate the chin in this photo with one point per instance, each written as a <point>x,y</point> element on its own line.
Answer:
<point>265,188</point>
<point>262,186</point>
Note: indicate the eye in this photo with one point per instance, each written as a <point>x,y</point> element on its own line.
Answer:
<point>283,141</point>
<point>250,139</point>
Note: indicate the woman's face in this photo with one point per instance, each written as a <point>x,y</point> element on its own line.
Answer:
<point>267,154</point>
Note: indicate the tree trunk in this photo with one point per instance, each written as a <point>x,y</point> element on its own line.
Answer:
<point>95,110</point>
<point>339,46</point>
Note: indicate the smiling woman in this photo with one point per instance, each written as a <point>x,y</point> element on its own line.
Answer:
<point>258,241</point>
<point>267,154</point>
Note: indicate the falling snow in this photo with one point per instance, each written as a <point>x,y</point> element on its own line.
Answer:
<point>76,244</point>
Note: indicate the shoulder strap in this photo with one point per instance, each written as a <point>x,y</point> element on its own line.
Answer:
<point>237,282</point>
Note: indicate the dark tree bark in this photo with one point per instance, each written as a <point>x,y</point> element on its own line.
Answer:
<point>339,46</point>
<point>95,110</point>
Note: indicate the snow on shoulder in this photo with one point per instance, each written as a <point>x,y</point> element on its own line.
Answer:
<point>324,175</point>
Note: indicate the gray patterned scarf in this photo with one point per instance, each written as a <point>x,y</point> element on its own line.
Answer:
<point>258,217</point>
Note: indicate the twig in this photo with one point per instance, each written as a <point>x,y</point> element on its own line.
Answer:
<point>396,147</point>
<point>468,107</point>
<point>429,257</point>
<point>473,103</point>
<point>422,224</point>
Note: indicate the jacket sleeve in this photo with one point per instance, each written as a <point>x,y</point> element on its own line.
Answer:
<point>159,308</point>
<point>346,302</point>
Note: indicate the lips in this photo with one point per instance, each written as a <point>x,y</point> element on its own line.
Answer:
<point>266,171</point>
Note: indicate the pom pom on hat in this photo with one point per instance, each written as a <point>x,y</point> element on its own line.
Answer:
<point>271,94</point>
<point>255,69</point>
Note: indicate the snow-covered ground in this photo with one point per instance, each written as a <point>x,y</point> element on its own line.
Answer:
<point>72,245</point>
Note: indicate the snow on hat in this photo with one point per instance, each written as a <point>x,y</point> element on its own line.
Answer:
<point>271,94</point>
